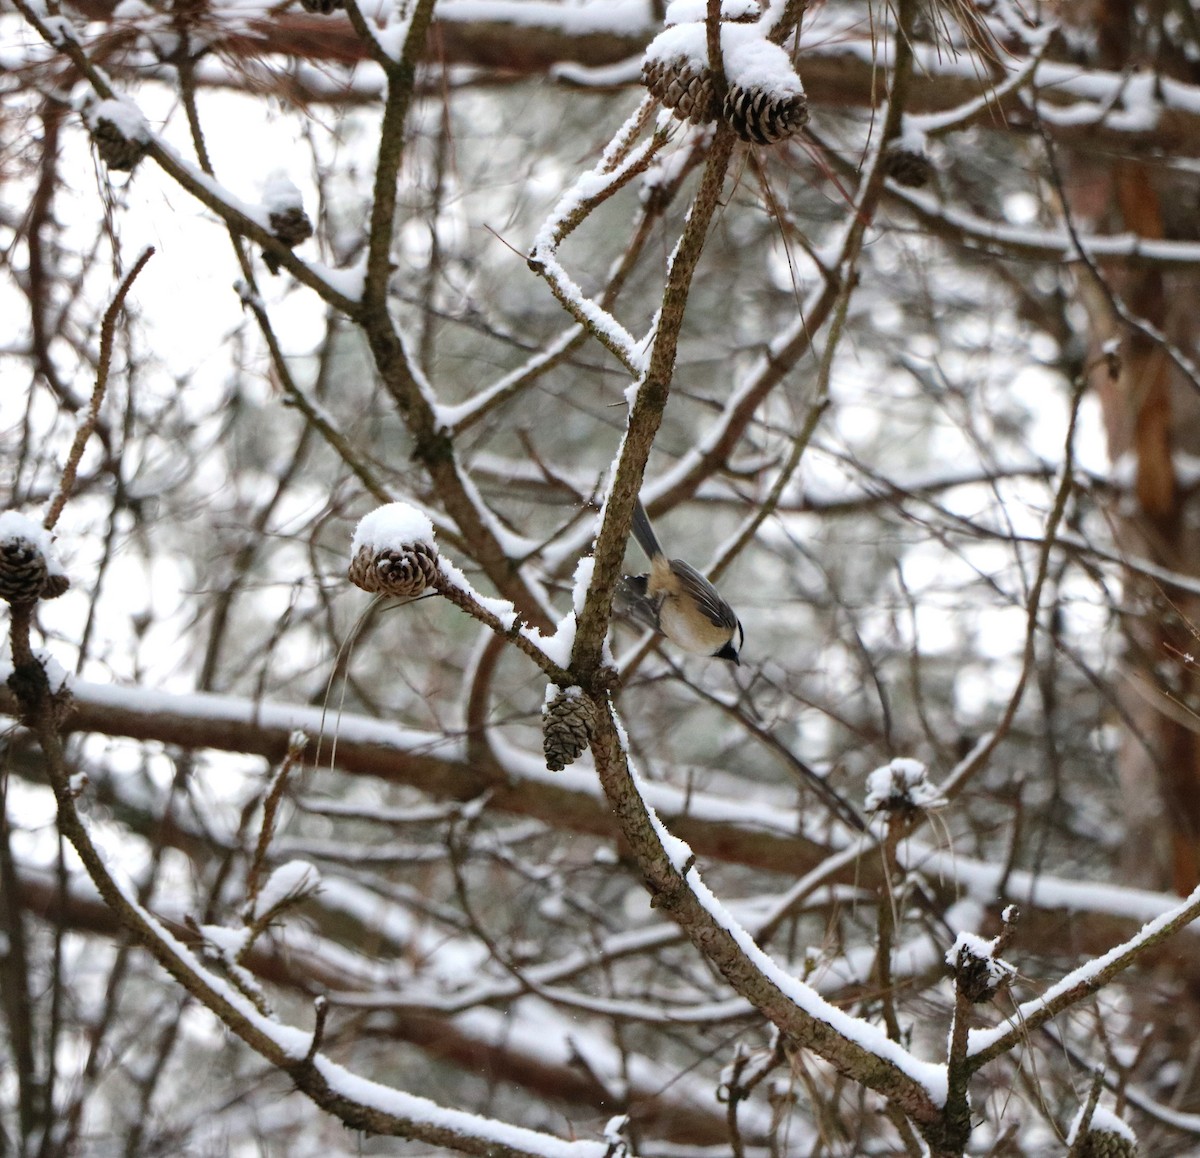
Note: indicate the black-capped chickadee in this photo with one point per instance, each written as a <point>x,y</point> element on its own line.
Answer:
<point>676,600</point>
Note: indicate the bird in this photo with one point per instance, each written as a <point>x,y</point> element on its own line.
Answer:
<point>675,600</point>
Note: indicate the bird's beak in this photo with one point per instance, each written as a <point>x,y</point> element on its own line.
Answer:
<point>728,653</point>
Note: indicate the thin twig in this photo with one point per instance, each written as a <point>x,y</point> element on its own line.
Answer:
<point>272,798</point>
<point>84,431</point>
<point>1081,1144</point>
<point>965,771</point>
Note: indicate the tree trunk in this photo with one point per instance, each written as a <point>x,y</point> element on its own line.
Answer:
<point>1151,413</point>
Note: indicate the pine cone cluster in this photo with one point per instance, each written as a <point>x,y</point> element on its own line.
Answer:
<point>116,150</point>
<point>764,117</point>
<point>404,571</point>
<point>908,167</point>
<point>24,575</point>
<point>568,722</point>
<point>764,101</point>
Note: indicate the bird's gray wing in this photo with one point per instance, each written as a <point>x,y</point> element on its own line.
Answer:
<point>707,598</point>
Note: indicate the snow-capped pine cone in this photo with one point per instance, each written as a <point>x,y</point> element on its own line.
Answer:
<point>116,150</point>
<point>404,571</point>
<point>291,226</point>
<point>568,722</point>
<point>685,87</point>
<point>975,982</point>
<point>23,573</point>
<point>323,7</point>
<point>908,167</point>
<point>760,116</point>
<point>1107,1144</point>
<point>979,979</point>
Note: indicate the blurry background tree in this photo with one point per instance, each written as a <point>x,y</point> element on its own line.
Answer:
<point>931,415</point>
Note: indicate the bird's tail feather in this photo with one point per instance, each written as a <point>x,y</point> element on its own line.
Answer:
<point>644,532</point>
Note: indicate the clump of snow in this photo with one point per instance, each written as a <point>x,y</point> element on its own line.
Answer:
<point>57,677</point>
<point>123,115</point>
<point>557,647</point>
<point>912,137</point>
<point>677,43</point>
<point>391,527</point>
<point>230,942</point>
<point>970,945</point>
<point>583,580</point>
<point>902,783</point>
<point>14,525</point>
<point>696,11</point>
<point>348,282</point>
<point>288,882</point>
<point>614,1136</point>
<point>1103,1122</point>
<point>280,193</point>
<point>752,61</point>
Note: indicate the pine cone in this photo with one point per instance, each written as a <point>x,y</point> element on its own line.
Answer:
<point>763,117</point>
<point>22,570</point>
<point>684,86</point>
<point>978,973</point>
<point>116,150</point>
<point>568,722</point>
<point>403,571</point>
<point>291,225</point>
<point>1107,1144</point>
<point>56,584</point>
<point>908,167</point>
